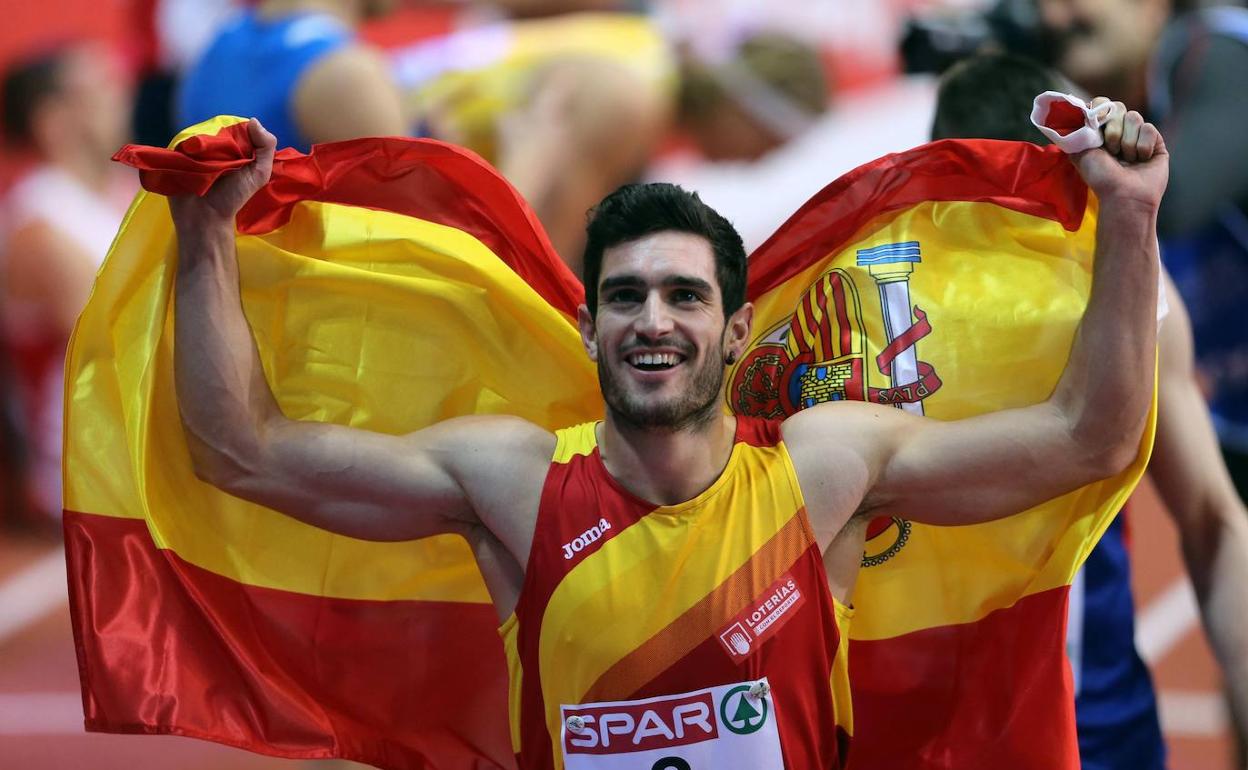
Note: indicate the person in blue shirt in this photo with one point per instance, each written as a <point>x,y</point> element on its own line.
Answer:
<point>298,67</point>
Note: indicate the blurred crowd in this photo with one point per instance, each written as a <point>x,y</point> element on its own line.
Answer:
<point>755,107</point>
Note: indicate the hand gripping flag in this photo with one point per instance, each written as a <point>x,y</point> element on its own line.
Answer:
<point>394,283</point>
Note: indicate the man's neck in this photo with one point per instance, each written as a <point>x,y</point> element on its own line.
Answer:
<point>667,467</point>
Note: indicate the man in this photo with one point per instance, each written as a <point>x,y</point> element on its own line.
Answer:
<point>67,108</point>
<point>669,515</point>
<point>986,97</point>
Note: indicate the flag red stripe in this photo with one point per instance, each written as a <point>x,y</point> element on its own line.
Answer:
<point>167,647</point>
<point>994,693</point>
<point>842,314</point>
<point>1039,181</point>
<point>825,324</point>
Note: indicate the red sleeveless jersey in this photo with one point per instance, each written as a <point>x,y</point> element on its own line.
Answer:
<point>697,636</point>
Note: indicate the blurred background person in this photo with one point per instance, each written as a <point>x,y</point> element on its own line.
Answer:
<point>778,100</point>
<point>67,108</point>
<point>298,66</point>
<point>168,37</point>
<point>989,97</point>
<point>567,107</point>
<point>557,105</point>
<point>1191,65</point>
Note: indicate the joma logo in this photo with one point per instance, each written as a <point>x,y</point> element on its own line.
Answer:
<point>583,540</point>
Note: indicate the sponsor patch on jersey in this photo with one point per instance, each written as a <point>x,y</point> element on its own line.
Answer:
<point>761,618</point>
<point>730,727</point>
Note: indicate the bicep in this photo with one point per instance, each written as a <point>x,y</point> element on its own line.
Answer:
<point>977,469</point>
<point>871,460</point>
<point>349,94</point>
<point>359,483</point>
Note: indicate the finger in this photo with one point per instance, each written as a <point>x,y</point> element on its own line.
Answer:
<point>1131,125</point>
<point>265,144</point>
<point>1151,142</point>
<point>1113,128</point>
<point>261,139</point>
<point>1100,108</point>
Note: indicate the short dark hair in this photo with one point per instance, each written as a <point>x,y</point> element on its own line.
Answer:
<point>637,210</point>
<point>27,84</point>
<point>989,96</point>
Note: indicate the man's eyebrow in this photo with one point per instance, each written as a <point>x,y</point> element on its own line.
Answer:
<point>688,282</point>
<point>621,281</point>
<point>633,281</point>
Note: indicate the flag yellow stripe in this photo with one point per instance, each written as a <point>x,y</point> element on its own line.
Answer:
<point>1004,292</point>
<point>338,321</point>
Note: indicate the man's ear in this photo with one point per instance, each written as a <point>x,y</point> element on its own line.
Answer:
<point>737,331</point>
<point>589,332</point>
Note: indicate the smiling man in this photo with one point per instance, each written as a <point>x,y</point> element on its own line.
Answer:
<point>673,580</point>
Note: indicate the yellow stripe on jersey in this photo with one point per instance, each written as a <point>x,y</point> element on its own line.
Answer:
<point>618,590</point>
<point>575,442</point>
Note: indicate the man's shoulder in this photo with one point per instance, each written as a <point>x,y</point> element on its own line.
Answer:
<point>835,437</point>
<point>497,434</point>
<point>815,422</point>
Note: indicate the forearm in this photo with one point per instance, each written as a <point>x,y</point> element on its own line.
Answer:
<point>223,397</point>
<point>1106,389</point>
<point>1217,560</point>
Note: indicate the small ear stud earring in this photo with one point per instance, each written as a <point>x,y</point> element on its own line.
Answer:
<point>731,358</point>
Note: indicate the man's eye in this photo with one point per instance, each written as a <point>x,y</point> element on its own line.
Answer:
<point>686,295</point>
<point>624,295</point>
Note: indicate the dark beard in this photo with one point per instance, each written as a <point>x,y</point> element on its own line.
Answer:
<point>694,408</point>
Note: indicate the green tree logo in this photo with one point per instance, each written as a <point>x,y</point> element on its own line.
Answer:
<point>746,716</point>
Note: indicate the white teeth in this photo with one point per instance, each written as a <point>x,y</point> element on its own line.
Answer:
<point>654,359</point>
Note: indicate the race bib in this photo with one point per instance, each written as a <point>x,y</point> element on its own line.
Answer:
<point>731,727</point>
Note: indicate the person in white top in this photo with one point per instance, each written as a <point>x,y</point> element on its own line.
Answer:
<point>67,108</point>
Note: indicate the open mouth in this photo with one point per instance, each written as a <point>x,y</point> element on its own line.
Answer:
<point>654,362</point>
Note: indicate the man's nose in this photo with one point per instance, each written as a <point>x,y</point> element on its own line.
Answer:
<point>654,320</point>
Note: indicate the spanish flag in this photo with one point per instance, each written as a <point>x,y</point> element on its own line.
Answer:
<point>391,284</point>
<point>947,281</point>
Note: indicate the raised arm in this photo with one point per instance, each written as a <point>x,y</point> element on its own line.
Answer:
<point>447,478</point>
<point>998,464</point>
<point>1199,494</point>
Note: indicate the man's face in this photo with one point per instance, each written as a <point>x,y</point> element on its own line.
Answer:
<point>659,338</point>
<point>1102,41</point>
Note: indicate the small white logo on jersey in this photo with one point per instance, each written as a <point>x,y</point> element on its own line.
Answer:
<point>583,540</point>
<point>737,638</point>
